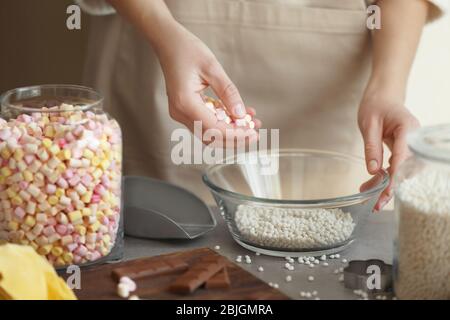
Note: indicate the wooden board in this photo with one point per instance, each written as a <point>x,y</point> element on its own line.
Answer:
<point>98,284</point>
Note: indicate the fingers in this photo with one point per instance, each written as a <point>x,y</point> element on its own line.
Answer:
<point>258,123</point>
<point>251,111</point>
<point>371,183</point>
<point>225,90</point>
<point>400,151</point>
<point>187,108</point>
<point>384,198</point>
<point>373,146</point>
<point>372,133</point>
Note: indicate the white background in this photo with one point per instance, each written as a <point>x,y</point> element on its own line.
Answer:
<point>429,87</point>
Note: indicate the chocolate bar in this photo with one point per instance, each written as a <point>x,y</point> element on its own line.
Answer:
<point>150,268</point>
<point>220,280</point>
<point>198,274</point>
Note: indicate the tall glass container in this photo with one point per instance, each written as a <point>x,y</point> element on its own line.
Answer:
<point>422,205</point>
<point>60,174</point>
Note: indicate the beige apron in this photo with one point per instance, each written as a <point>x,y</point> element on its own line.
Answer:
<point>302,64</point>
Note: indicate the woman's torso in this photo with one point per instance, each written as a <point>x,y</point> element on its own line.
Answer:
<point>302,64</point>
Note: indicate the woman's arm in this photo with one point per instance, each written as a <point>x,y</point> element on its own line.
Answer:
<point>382,115</point>
<point>189,66</point>
<point>149,17</point>
<point>395,45</point>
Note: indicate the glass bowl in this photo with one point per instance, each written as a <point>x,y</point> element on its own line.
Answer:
<point>294,202</point>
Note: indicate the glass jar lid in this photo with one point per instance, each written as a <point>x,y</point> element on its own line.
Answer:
<point>431,142</point>
<point>34,98</point>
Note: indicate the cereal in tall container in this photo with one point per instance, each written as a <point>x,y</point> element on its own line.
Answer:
<point>422,205</point>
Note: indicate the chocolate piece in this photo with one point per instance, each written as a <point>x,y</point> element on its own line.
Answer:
<point>220,280</point>
<point>150,268</point>
<point>198,274</point>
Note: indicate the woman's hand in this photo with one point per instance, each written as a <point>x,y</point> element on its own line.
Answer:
<point>189,68</point>
<point>382,115</point>
<point>385,120</point>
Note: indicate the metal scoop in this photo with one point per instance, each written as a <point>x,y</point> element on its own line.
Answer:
<point>158,210</point>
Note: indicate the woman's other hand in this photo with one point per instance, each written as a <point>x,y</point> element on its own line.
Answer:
<point>382,115</point>
<point>385,120</point>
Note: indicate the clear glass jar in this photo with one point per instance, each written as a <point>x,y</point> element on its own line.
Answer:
<point>60,174</point>
<point>422,205</point>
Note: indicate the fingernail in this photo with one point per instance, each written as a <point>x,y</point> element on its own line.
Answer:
<point>239,110</point>
<point>373,165</point>
<point>390,192</point>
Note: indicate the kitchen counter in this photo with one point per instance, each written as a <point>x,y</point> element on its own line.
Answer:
<point>374,240</point>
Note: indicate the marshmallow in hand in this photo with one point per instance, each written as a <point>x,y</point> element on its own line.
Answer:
<point>222,114</point>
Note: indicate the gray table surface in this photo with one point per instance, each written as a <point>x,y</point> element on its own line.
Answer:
<point>374,241</point>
